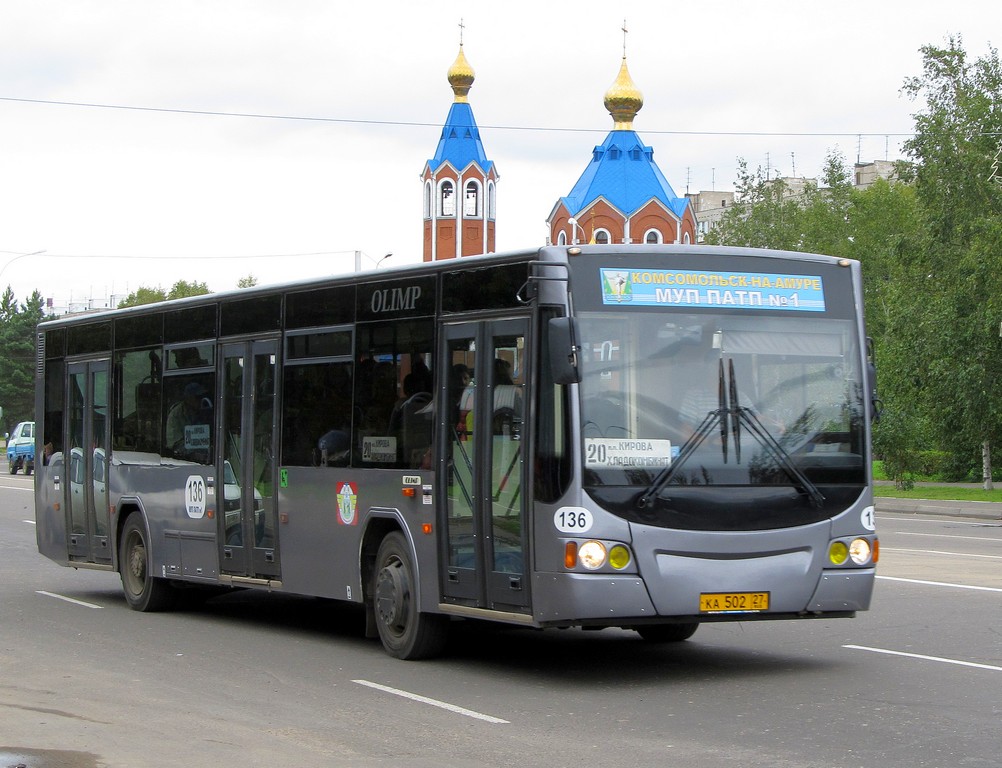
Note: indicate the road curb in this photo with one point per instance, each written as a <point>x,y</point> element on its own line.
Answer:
<point>981,510</point>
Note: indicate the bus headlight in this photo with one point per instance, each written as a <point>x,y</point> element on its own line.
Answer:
<point>859,551</point>
<point>592,555</point>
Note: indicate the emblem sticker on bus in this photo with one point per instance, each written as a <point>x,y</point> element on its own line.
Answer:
<point>611,453</point>
<point>347,503</point>
<point>702,288</point>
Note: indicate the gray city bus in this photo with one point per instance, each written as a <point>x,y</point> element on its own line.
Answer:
<point>636,436</point>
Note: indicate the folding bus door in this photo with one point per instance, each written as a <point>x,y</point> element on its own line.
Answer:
<point>485,500</point>
<point>245,454</point>
<point>86,440</point>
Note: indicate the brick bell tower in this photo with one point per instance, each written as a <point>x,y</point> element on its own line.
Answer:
<point>459,182</point>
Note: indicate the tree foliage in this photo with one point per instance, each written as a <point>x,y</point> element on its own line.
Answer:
<point>17,351</point>
<point>931,251</point>
<point>146,295</point>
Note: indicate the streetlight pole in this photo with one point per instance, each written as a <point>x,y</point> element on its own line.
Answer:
<point>383,259</point>
<point>19,256</point>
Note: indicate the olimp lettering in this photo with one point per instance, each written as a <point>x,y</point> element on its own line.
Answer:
<point>395,299</point>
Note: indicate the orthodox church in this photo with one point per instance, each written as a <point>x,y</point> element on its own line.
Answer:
<point>621,197</point>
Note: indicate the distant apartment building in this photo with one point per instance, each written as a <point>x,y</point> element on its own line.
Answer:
<point>711,206</point>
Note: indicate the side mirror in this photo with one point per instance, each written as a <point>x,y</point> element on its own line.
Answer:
<point>564,350</point>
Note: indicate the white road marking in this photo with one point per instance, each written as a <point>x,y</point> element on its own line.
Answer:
<point>940,584</point>
<point>29,522</point>
<point>432,702</point>
<point>923,657</point>
<point>946,536</point>
<point>939,552</point>
<point>68,599</point>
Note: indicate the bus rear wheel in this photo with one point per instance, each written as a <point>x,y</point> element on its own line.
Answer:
<point>667,633</point>
<point>143,592</point>
<point>404,630</point>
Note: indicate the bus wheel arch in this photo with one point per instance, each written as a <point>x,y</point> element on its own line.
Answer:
<point>392,598</point>
<point>143,591</point>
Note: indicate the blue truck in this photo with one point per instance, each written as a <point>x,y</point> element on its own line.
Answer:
<point>21,448</point>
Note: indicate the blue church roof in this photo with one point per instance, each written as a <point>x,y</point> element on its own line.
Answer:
<point>460,143</point>
<point>623,173</point>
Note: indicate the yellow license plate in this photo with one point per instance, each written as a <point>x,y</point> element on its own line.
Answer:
<point>733,602</point>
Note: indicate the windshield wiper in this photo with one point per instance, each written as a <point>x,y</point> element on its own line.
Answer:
<point>719,416</point>
<point>735,413</point>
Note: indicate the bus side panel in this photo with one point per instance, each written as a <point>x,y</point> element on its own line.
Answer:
<point>325,562</point>
<point>50,519</point>
<point>183,545</point>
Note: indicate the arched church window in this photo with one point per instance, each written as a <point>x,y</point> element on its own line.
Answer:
<point>652,236</point>
<point>685,239</point>
<point>471,200</point>
<point>446,199</point>
<point>562,238</point>
<point>491,202</point>
<point>427,199</point>
<point>602,236</point>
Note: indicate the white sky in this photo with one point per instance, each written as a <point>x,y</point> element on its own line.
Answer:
<point>122,198</point>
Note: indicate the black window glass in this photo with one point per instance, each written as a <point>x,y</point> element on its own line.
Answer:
<point>136,424</point>
<point>190,324</point>
<point>260,314</point>
<point>319,344</point>
<point>316,414</point>
<point>486,288</point>
<point>86,339</point>
<point>324,306</point>
<point>55,344</point>
<point>141,331</point>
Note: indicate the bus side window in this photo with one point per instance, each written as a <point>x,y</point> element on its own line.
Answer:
<point>316,417</point>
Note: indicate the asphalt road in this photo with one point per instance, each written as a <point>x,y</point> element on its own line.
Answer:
<point>266,680</point>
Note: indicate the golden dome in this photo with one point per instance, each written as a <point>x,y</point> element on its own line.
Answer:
<point>461,76</point>
<point>623,100</point>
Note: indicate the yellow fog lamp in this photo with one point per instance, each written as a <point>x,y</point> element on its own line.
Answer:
<point>619,557</point>
<point>838,552</point>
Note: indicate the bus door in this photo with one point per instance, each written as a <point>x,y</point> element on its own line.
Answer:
<point>485,497</point>
<point>86,467</point>
<point>248,532</point>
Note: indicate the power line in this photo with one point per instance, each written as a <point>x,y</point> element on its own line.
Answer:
<point>416,124</point>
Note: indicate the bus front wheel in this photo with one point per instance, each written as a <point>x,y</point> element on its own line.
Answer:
<point>667,633</point>
<point>143,592</point>
<point>404,630</point>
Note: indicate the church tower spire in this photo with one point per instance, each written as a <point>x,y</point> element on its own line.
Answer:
<point>622,196</point>
<point>459,181</point>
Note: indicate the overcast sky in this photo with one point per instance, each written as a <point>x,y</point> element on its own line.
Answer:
<point>325,112</point>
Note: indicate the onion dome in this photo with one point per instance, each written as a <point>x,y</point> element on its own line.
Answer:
<point>623,99</point>
<point>461,76</point>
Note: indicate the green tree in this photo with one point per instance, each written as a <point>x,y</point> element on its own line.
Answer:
<point>143,295</point>
<point>957,282</point>
<point>247,282</point>
<point>146,295</point>
<point>18,325</point>
<point>182,289</point>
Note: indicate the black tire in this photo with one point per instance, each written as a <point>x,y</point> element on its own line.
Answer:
<point>405,632</point>
<point>667,633</point>
<point>28,468</point>
<point>13,466</point>
<point>143,592</point>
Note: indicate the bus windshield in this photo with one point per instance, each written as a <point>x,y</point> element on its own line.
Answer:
<point>687,418</point>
